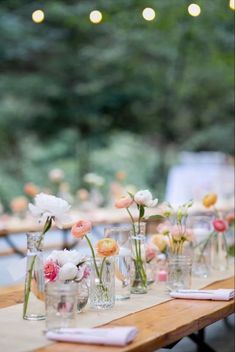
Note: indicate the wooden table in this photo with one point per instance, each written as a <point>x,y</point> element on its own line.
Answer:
<point>158,326</point>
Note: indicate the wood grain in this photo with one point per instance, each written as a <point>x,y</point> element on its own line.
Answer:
<point>158,326</point>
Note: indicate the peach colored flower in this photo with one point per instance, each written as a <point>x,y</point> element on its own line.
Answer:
<point>31,189</point>
<point>150,253</point>
<point>107,247</point>
<point>51,270</point>
<point>159,241</point>
<point>19,204</point>
<point>124,202</point>
<point>230,218</point>
<point>81,228</point>
<point>209,200</point>
<point>121,175</point>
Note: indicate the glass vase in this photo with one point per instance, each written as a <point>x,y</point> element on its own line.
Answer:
<point>102,283</point>
<point>219,252</point>
<point>83,295</point>
<point>138,270</point>
<point>179,272</point>
<point>34,305</point>
<point>61,304</point>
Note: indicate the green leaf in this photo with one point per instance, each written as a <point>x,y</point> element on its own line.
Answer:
<point>156,217</point>
<point>141,208</point>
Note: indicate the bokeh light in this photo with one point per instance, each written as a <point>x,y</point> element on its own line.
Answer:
<point>38,16</point>
<point>194,10</point>
<point>232,4</point>
<point>95,16</point>
<point>148,14</point>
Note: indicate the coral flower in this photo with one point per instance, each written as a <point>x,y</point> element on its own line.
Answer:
<point>107,247</point>
<point>31,189</point>
<point>124,202</point>
<point>230,217</point>
<point>81,228</point>
<point>209,200</point>
<point>51,270</point>
<point>19,204</point>
<point>220,225</point>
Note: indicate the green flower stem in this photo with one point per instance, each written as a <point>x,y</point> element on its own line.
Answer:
<point>46,227</point>
<point>99,274</point>
<point>138,261</point>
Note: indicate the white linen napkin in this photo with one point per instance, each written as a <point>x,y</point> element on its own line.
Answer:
<point>117,336</point>
<point>216,295</point>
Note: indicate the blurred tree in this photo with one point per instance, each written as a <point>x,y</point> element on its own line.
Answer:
<point>170,79</point>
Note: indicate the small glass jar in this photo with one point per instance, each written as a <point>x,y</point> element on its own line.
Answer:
<point>102,283</point>
<point>61,305</point>
<point>179,272</point>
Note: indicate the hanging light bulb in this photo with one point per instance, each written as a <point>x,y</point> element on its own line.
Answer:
<point>38,16</point>
<point>194,10</point>
<point>148,14</point>
<point>95,16</point>
<point>232,4</point>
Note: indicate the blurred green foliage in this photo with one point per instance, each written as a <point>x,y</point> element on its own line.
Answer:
<point>125,93</point>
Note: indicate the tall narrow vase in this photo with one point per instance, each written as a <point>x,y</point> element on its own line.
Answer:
<point>102,283</point>
<point>219,252</point>
<point>34,305</point>
<point>138,272</point>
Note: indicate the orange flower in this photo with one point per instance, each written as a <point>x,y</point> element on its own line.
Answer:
<point>107,247</point>
<point>31,189</point>
<point>124,202</point>
<point>81,228</point>
<point>159,241</point>
<point>209,200</point>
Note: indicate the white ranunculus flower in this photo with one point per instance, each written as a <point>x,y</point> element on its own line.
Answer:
<point>50,206</point>
<point>68,272</point>
<point>145,198</point>
<point>66,256</point>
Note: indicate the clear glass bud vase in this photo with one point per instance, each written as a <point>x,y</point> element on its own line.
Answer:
<point>102,283</point>
<point>34,305</point>
<point>179,272</point>
<point>138,270</point>
<point>219,252</point>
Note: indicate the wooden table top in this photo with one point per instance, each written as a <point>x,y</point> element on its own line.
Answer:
<point>158,326</point>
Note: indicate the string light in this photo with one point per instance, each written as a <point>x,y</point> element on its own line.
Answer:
<point>148,14</point>
<point>194,10</point>
<point>232,4</point>
<point>38,16</point>
<point>95,16</point>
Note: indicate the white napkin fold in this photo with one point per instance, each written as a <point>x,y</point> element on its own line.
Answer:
<point>216,295</point>
<point>117,336</point>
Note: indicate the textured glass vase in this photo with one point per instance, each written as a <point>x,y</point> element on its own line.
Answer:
<point>102,286</point>
<point>83,295</point>
<point>34,305</point>
<point>219,252</point>
<point>138,270</point>
<point>179,272</point>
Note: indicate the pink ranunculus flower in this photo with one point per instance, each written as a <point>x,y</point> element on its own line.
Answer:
<point>51,270</point>
<point>176,233</point>
<point>164,228</point>
<point>220,225</point>
<point>124,202</point>
<point>81,228</point>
